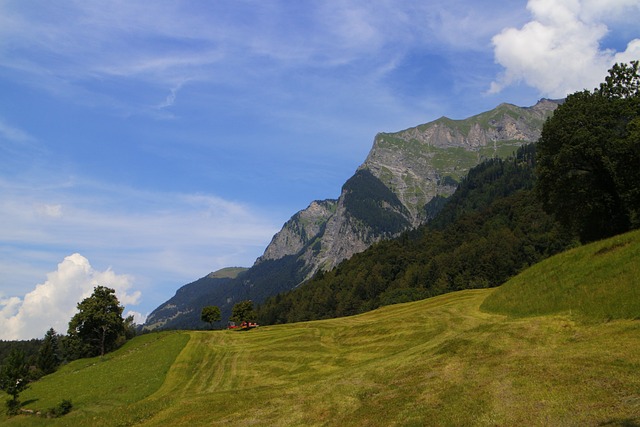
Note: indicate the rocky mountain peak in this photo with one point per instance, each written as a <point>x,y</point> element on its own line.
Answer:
<point>415,165</point>
<point>302,228</point>
<point>392,191</point>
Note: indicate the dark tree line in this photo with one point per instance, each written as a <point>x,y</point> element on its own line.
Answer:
<point>28,347</point>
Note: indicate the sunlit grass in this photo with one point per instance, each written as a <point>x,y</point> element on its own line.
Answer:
<point>98,385</point>
<point>440,361</point>
<point>596,282</point>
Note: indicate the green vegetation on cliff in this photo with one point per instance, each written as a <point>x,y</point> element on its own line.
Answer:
<point>368,200</point>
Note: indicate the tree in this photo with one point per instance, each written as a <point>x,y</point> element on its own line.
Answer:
<point>13,379</point>
<point>98,325</point>
<point>48,358</point>
<point>588,172</point>
<point>623,81</point>
<point>210,314</point>
<point>243,312</point>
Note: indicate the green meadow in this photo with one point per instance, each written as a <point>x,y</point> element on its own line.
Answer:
<point>597,282</point>
<point>558,345</point>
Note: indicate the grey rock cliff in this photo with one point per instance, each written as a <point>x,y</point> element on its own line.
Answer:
<point>301,229</point>
<point>416,165</point>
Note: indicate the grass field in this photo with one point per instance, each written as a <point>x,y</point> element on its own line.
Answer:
<point>442,362</point>
<point>597,282</point>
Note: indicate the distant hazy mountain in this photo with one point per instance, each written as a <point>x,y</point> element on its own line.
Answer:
<point>402,184</point>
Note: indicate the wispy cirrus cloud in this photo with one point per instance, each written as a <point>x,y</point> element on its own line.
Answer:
<point>17,147</point>
<point>89,214</point>
<point>13,134</point>
<point>171,98</point>
<point>247,45</point>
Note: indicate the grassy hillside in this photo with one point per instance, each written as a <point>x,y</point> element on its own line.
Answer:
<point>440,361</point>
<point>227,273</point>
<point>596,282</point>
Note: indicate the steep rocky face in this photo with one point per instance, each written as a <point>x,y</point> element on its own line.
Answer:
<point>366,212</point>
<point>404,172</point>
<point>301,229</point>
<point>428,160</point>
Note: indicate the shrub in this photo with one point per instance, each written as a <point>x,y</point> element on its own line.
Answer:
<point>61,409</point>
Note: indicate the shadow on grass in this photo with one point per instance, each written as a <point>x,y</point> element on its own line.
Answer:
<point>627,422</point>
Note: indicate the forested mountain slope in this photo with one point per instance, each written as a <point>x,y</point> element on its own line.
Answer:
<point>403,173</point>
<point>490,229</point>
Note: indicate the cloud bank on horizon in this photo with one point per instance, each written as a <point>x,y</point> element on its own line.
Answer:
<point>165,142</point>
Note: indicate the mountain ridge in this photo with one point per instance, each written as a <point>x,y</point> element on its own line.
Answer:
<point>418,164</point>
<point>400,185</point>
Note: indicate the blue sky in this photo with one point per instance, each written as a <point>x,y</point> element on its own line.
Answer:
<point>145,144</point>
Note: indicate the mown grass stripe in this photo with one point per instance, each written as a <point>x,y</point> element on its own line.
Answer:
<point>441,361</point>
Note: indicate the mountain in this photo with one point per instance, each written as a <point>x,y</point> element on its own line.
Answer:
<point>491,228</point>
<point>404,171</point>
<point>300,230</point>
<point>403,182</point>
<point>178,312</point>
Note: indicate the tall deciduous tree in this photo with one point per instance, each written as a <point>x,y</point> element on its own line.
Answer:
<point>588,172</point>
<point>210,314</point>
<point>98,325</point>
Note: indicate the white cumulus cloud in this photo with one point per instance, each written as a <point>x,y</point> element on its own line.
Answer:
<point>52,304</point>
<point>559,51</point>
<point>138,318</point>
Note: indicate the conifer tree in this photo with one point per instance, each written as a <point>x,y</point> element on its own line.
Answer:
<point>48,358</point>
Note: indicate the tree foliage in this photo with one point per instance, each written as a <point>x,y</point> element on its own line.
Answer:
<point>98,327</point>
<point>49,356</point>
<point>14,375</point>
<point>588,172</point>
<point>243,312</point>
<point>29,347</point>
<point>210,314</point>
